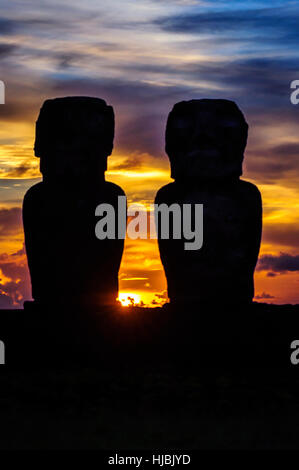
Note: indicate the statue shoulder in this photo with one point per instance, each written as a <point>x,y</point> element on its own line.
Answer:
<point>167,194</point>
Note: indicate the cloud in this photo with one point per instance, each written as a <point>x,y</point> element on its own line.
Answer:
<point>282,234</point>
<point>142,86</point>
<point>179,2</point>
<point>128,164</point>
<point>270,20</point>
<point>162,295</point>
<point>264,296</point>
<point>23,170</point>
<point>279,264</point>
<point>10,222</point>
<point>14,279</point>
<point>6,49</point>
<point>7,26</point>
<point>273,164</point>
<point>262,74</point>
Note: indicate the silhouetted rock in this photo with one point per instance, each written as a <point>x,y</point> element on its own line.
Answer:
<point>205,142</point>
<point>68,264</point>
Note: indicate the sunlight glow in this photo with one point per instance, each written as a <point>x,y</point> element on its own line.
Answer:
<point>127,299</point>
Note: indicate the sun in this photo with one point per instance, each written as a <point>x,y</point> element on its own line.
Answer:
<point>128,299</point>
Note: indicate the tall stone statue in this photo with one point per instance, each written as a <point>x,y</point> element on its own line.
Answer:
<point>68,265</point>
<point>205,142</point>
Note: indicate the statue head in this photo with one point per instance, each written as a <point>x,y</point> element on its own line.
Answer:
<point>206,139</point>
<point>74,137</point>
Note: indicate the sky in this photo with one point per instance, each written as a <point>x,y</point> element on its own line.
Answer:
<point>143,57</point>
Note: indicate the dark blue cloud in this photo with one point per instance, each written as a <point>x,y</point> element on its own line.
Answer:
<point>279,264</point>
<point>269,164</point>
<point>7,26</point>
<point>6,50</point>
<point>265,20</point>
<point>256,83</point>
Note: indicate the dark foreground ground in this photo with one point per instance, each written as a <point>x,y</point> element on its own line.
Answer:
<point>150,379</point>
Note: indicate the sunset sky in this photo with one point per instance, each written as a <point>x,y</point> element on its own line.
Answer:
<point>142,57</point>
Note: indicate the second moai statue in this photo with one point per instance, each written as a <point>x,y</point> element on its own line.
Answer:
<point>205,142</point>
<point>68,265</point>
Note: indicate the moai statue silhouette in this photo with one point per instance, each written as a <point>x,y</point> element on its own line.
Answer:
<point>68,264</point>
<point>205,142</point>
